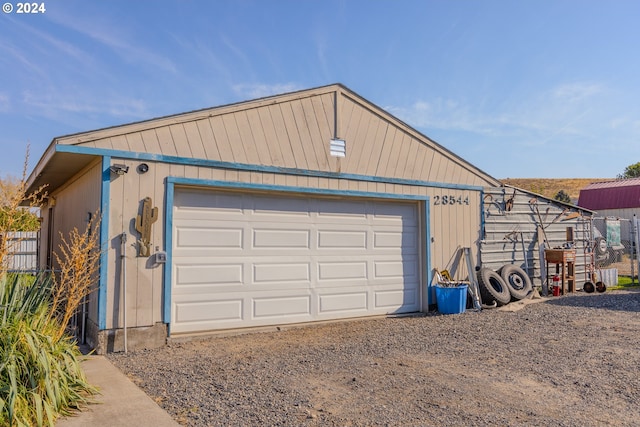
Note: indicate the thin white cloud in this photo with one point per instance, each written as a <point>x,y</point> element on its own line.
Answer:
<point>445,114</point>
<point>235,50</point>
<point>562,110</point>
<point>577,92</point>
<point>321,52</point>
<point>54,103</point>
<point>114,37</point>
<point>260,90</point>
<point>19,56</point>
<point>59,45</point>
<point>210,60</point>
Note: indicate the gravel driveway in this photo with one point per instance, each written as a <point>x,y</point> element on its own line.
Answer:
<point>567,361</point>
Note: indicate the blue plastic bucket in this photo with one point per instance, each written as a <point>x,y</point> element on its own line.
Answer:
<point>451,300</point>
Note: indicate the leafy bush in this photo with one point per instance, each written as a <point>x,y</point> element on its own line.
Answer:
<point>18,219</point>
<point>40,374</point>
<point>17,211</point>
<point>562,196</point>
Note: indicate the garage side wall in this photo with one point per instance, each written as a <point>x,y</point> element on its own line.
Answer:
<point>71,207</point>
<point>142,278</point>
<point>454,221</point>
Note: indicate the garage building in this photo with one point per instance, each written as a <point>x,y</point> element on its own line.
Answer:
<point>309,206</point>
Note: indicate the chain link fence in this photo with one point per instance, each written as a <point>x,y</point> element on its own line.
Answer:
<point>614,245</point>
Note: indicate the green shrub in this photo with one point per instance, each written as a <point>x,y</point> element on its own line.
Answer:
<point>40,373</point>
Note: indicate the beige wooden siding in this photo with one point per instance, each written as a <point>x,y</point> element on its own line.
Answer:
<point>294,131</point>
<point>452,225</point>
<point>74,202</point>
<point>143,278</point>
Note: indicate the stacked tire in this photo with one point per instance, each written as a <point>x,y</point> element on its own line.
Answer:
<point>509,283</point>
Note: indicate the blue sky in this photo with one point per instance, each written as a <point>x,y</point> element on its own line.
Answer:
<point>528,88</point>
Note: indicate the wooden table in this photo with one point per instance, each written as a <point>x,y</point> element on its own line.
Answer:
<point>567,259</point>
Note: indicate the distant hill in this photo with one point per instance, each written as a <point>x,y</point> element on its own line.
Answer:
<point>549,187</point>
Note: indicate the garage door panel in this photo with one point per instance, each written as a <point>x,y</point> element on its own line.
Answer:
<point>270,208</point>
<point>343,303</point>
<point>398,240</point>
<point>204,215</point>
<point>273,273</point>
<point>205,237</point>
<point>340,210</point>
<point>209,275</point>
<point>259,261</point>
<point>208,311</point>
<point>394,213</point>
<point>396,298</point>
<point>342,270</point>
<point>339,239</point>
<point>404,269</point>
<point>201,199</point>
<point>282,307</point>
<point>279,238</point>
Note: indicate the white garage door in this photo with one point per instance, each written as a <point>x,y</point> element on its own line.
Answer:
<point>242,260</point>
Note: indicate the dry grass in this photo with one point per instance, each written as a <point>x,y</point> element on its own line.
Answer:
<point>549,187</point>
<point>78,259</point>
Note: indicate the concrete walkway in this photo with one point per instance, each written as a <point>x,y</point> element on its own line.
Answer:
<point>120,402</point>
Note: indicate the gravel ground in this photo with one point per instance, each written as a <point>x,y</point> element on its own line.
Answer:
<point>567,361</point>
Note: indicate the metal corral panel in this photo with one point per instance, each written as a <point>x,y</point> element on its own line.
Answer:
<point>515,221</point>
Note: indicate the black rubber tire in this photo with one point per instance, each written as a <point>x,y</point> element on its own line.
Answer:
<point>601,287</point>
<point>492,287</point>
<point>601,247</point>
<point>517,281</point>
<point>588,287</point>
<point>603,256</point>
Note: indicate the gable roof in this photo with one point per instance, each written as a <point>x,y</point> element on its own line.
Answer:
<point>289,131</point>
<point>618,194</point>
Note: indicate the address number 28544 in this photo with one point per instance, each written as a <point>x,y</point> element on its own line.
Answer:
<point>450,200</point>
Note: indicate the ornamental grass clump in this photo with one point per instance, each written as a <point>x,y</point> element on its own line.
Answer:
<point>40,373</point>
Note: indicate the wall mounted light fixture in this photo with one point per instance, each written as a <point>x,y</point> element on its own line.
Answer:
<point>119,169</point>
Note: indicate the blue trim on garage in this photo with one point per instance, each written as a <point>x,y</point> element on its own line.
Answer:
<point>171,182</point>
<point>104,243</point>
<point>255,168</point>
<point>427,255</point>
<point>168,247</point>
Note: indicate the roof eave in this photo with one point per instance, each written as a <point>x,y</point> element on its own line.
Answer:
<point>55,168</point>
